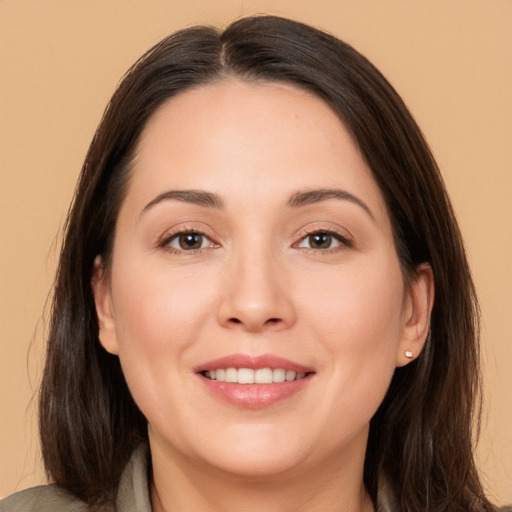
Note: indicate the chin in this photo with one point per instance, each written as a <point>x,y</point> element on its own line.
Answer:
<point>255,451</point>
<point>262,465</point>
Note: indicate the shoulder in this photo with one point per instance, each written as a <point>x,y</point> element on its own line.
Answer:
<point>133,493</point>
<point>44,498</point>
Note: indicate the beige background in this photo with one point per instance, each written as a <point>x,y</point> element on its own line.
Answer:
<point>60,61</point>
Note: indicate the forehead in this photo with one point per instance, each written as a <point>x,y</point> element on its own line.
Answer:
<point>274,136</point>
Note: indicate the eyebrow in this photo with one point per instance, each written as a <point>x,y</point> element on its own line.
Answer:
<point>198,197</point>
<point>303,198</point>
<point>308,197</point>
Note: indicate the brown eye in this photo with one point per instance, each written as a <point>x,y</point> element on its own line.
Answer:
<point>323,240</point>
<point>189,241</point>
<point>320,241</point>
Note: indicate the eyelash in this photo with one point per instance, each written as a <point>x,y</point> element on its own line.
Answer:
<point>344,242</point>
<point>165,242</point>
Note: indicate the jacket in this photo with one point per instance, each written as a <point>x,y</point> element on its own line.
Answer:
<point>132,495</point>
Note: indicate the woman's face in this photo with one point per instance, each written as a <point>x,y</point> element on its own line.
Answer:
<point>254,245</point>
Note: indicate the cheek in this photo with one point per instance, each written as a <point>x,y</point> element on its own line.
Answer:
<point>359,321</point>
<point>360,308</point>
<point>156,307</point>
<point>158,314</point>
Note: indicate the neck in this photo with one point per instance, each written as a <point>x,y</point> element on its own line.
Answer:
<point>180,485</point>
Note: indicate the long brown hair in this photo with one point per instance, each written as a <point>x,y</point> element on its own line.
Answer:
<point>421,436</point>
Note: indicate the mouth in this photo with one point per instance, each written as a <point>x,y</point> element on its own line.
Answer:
<point>251,376</point>
<point>254,382</point>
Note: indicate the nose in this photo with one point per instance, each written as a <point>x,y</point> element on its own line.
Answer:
<point>257,296</point>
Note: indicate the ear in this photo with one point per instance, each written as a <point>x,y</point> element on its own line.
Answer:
<point>417,309</point>
<point>104,310</point>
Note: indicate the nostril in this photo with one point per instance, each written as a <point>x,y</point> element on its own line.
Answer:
<point>235,320</point>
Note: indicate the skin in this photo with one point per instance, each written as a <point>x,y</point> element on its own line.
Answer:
<point>257,285</point>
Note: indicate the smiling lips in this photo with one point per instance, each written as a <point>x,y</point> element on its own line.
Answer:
<point>254,382</point>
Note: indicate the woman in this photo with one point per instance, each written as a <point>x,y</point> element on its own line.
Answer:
<point>263,300</point>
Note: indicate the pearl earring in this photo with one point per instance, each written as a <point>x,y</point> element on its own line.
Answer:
<point>408,354</point>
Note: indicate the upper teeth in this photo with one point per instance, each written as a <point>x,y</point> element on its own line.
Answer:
<point>250,376</point>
